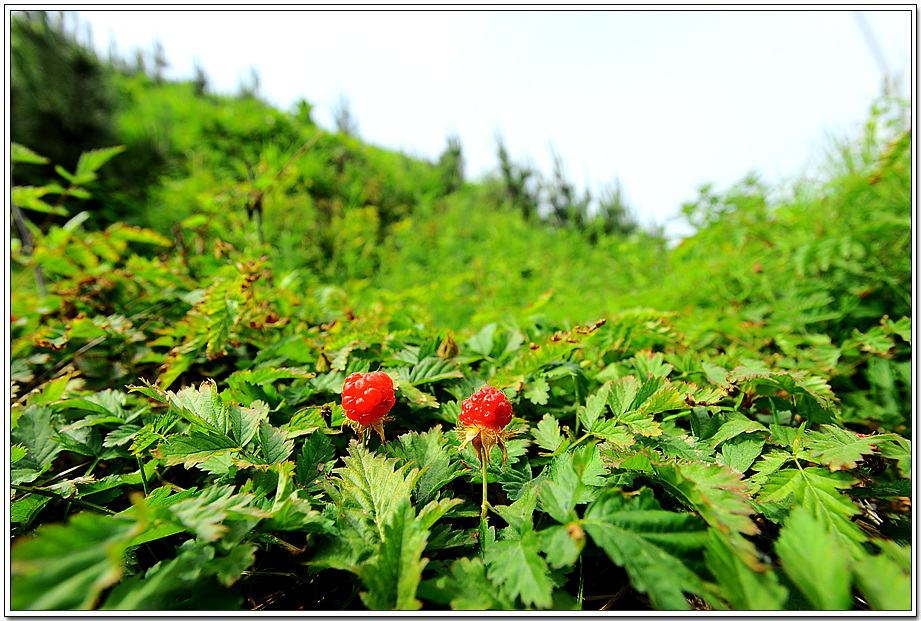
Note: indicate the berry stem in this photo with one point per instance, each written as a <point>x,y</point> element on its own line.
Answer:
<point>484,522</point>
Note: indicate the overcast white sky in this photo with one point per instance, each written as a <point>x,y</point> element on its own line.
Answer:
<point>662,100</point>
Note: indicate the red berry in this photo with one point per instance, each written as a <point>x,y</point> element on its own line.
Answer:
<point>488,407</point>
<point>367,397</point>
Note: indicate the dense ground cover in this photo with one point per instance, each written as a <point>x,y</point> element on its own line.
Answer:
<point>721,425</point>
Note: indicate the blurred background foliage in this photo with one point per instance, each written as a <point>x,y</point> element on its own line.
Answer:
<point>800,276</point>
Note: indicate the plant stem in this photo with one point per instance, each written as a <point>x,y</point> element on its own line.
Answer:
<point>484,521</point>
<point>581,583</point>
<point>143,476</point>
<point>50,494</point>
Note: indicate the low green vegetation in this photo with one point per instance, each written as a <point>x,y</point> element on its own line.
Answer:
<point>720,425</point>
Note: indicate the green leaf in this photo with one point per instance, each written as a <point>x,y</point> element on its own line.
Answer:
<point>886,583</point>
<point>740,452</point>
<point>369,488</point>
<point>435,510</point>
<point>899,449</point>
<point>202,407</point>
<point>740,586</point>
<point>621,395</point>
<point>29,197</point>
<point>817,491</point>
<point>517,567</point>
<point>174,583</point>
<point>768,464</point>
<point>839,448</point>
<point>429,451</point>
<point>245,421</point>
<point>273,443</point>
<point>481,342</point>
<point>720,496</point>
<point>594,406</point>
<point>34,432</point>
<point>24,155</point>
<point>561,492</point>
<point>466,587</point>
<point>316,455</point>
<point>562,544</point>
<point>393,575</point>
<point>649,543</point>
<point>537,391</point>
<point>433,369</point>
<point>815,561</point>
<point>414,395</point>
<point>735,426</point>
<point>194,448</point>
<point>17,452</point>
<point>615,433</point>
<point>67,566</point>
<point>228,569</point>
<point>205,513</point>
<point>91,161</point>
<point>123,232</point>
<point>24,510</point>
<point>547,433</point>
<point>519,514</point>
<point>651,364</point>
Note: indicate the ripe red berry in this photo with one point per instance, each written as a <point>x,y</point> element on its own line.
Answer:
<point>488,407</point>
<point>483,418</point>
<point>367,397</point>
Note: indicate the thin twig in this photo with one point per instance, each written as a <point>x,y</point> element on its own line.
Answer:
<point>43,492</point>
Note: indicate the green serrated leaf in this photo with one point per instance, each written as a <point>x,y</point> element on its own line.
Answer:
<point>93,160</point>
<point>369,489</point>
<point>174,583</point>
<point>433,369</point>
<point>194,448</point>
<point>520,512</point>
<point>649,543</point>
<point>622,394</point>
<point>245,421</point>
<point>205,514</point>
<point>885,582</point>
<point>740,586</point>
<point>414,395</point>
<point>273,443</point>
<point>67,566</point>
<point>815,561</point>
<point>34,432</point>
<point>617,434</point>
<point>17,452</point>
<point>899,449</point>
<point>29,197</point>
<point>22,154</point>
<point>839,448</point>
<point>203,407</point>
<point>24,510</point>
<point>547,434</point>
<point>429,452</point>
<point>537,391</point>
<point>562,544</point>
<point>817,491</point>
<point>740,452</point>
<point>517,567</point>
<point>393,575</point>
<point>316,454</point>
<point>562,490</point>
<point>594,406</point>
<point>736,425</point>
<point>466,587</point>
<point>720,496</point>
